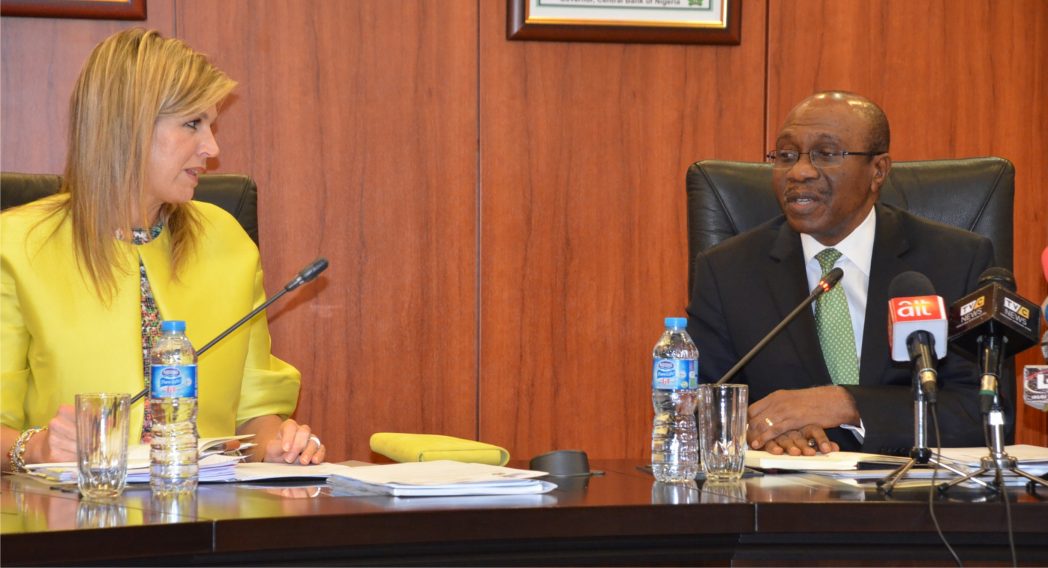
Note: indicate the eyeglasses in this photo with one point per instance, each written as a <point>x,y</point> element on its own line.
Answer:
<point>782,159</point>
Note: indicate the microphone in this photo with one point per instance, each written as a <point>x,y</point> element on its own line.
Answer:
<point>824,285</point>
<point>305,275</point>
<point>992,324</point>
<point>917,327</point>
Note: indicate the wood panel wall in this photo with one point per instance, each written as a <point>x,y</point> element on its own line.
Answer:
<point>505,220</point>
<point>583,236</point>
<point>40,59</point>
<point>358,119</point>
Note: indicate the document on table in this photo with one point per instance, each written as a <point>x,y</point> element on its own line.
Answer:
<point>1031,459</point>
<point>439,478</point>
<point>833,461</point>
<point>214,465</point>
<point>1035,457</point>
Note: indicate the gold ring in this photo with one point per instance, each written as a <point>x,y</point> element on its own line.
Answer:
<point>769,422</point>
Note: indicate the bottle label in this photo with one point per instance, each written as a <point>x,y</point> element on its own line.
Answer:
<point>675,374</point>
<point>173,381</point>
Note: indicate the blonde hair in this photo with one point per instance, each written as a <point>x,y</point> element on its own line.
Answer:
<point>131,79</point>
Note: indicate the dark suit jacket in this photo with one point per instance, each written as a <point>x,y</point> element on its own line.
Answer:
<point>747,284</point>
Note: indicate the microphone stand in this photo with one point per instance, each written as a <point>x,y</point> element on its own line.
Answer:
<point>307,274</point>
<point>998,459</point>
<point>920,453</point>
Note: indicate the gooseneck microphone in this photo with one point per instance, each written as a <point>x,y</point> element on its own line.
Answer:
<point>917,327</point>
<point>992,324</point>
<point>305,275</point>
<point>825,285</point>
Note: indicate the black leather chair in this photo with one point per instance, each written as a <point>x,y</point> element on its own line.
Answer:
<point>727,198</point>
<point>237,194</point>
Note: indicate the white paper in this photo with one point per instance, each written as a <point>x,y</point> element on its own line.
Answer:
<point>1031,459</point>
<point>260,470</point>
<point>214,467</point>
<point>217,468</point>
<point>440,472</point>
<point>347,486</point>
<point>833,461</point>
<point>213,464</point>
<point>454,501</point>
<point>961,458</point>
<point>1026,454</point>
<point>922,476</point>
<point>138,454</point>
<point>439,478</point>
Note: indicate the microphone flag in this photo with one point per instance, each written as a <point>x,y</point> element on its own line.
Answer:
<point>993,306</point>
<point>1035,386</point>
<point>910,314</point>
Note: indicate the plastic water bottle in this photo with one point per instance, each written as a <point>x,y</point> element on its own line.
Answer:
<point>674,393</point>
<point>173,401</point>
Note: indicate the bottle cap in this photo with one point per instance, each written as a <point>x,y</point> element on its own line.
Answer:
<point>172,325</point>
<point>676,323</point>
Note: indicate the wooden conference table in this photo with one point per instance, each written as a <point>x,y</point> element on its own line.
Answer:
<point>622,517</point>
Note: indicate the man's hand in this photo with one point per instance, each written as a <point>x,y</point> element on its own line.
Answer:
<point>784,411</point>
<point>807,441</point>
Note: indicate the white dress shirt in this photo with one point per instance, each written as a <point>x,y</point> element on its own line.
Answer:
<point>856,254</point>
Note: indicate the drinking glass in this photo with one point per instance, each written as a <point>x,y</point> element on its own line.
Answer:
<point>101,444</point>
<point>722,430</point>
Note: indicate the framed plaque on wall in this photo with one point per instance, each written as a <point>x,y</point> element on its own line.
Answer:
<point>627,21</point>
<point>93,9</point>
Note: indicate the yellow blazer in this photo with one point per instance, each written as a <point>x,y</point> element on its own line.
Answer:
<point>58,339</point>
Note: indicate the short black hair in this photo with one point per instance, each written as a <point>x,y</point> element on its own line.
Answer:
<point>879,137</point>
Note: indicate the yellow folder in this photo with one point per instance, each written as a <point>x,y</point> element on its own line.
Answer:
<point>431,447</point>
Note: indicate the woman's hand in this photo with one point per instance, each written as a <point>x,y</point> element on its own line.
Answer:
<point>283,441</point>
<point>294,442</point>
<point>58,442</point>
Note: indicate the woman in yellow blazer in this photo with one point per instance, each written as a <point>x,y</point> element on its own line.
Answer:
<point>88,274</point>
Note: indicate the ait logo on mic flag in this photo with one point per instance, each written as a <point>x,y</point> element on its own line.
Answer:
<point>915,313</point>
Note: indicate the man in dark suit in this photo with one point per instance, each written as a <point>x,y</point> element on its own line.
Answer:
<point>827,382</point>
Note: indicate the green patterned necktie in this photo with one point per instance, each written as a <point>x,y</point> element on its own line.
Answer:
<point>833,323</point>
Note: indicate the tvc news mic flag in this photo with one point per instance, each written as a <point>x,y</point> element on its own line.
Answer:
<point>993,309</point>
<point>916,313</point>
